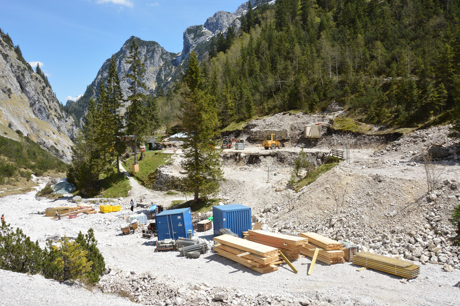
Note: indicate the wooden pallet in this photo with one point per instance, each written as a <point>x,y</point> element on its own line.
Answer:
<point>322,242</point>
<point>403,268</point>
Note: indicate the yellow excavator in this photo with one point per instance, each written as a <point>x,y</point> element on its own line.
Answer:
<point>271,142</point>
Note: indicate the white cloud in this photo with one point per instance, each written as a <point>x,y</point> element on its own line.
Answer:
<point>73,98</point>
<point>34,64</point>
<point>120,2</point>
<point>153,4</point>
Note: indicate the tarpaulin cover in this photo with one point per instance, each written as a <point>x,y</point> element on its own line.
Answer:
<point>153,208</point>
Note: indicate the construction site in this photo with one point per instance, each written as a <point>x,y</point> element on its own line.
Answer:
<point>373,228</point>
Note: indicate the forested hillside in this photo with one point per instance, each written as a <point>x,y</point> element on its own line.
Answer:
<point>392,62</point>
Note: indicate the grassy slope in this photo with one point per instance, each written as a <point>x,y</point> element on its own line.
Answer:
<point>20,159</point>
<point>151,162</point>
<point>114,186</point>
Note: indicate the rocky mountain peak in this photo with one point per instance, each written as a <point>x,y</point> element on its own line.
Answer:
<point>28,104</point>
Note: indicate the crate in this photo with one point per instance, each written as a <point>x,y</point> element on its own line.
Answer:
<point>105,209</point>
<point>116,208</point>
<point>204,226</point>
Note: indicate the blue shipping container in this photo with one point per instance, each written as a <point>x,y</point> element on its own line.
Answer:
<point>175,223</point>
<point>235,217</point>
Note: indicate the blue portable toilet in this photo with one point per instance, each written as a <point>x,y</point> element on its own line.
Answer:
<point>235,217</point>
<point>175,223</point>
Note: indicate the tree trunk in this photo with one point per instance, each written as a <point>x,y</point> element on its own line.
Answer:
<point>135,145</point>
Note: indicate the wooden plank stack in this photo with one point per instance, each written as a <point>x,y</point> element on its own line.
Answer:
<point>403,268</point>
<point>258,257</point>
<point>331,251</point>
<point>288,244</point>
<point>87,211</point>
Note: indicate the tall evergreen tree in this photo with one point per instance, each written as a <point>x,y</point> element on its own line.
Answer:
<point>116,123</point>
<point>200,123</point>
<point>213,48</point>
<point>135,118</point>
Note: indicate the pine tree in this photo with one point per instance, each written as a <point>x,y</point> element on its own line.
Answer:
<point>135,113</point>
<point>250,17</point>
<point>115,124</point>
<point>88,242</point>
<point>213,48</point>
<point>221,45</point>
<point>200,123</point>
<point>17,252</point>
<point>72,261</point>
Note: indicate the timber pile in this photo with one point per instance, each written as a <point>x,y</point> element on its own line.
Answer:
<point>330,250</point>
<point>289,245</point>
<point>51,211</point>
<point>325,243</point>
<point>258,257</point>
<point>403,268</point>
<point>327,257</point>
<point>87,211</point>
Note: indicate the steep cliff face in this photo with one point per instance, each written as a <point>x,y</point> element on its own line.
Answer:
<point>159,72</point>
<point>28,104</point>
<point>162,67</point>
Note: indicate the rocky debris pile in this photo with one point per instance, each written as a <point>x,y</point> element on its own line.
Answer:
<point>418,231</point>
<point>150,289</point>
<point>412,145</point>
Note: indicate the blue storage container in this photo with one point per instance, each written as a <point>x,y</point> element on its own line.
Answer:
<point>235,217</point>
<point>175,223</point>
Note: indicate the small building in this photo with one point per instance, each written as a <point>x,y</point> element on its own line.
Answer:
<point>175,223</point>
<point>235,217</point>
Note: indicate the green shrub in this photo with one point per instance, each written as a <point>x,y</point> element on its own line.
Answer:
<point>89,243</point>
<point>456,215</point>
<point>17,252</point>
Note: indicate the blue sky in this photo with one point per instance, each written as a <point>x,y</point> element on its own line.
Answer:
<point>73,38</point>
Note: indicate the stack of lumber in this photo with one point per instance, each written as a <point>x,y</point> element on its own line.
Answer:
<point>87,211</point>
<point>258,257</point>
<point>51,211</point>
<point>289,245</point>
<point>325,243</point>
<point>331,251</point>
<point>403,268</point>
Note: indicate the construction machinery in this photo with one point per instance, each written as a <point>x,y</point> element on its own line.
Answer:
<point>227,143</point>
<point>271,143</point>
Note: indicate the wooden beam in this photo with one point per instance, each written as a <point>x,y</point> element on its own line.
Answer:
<point>312,265</point>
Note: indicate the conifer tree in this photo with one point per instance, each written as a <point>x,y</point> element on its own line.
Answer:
<point>88,242</point>
<point>17,252</point>
<point>135,112</point>
<point>115,124</point>
<point>213,48</point>
<point>72,262</point>
<point>200,123</point>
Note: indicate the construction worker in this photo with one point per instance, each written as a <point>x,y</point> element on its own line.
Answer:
<point>3,217</point>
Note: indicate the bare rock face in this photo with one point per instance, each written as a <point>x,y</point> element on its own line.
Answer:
<point>219,22</point>
<point>162,66</point>
<point>159,66</point>
<point>28,104</point>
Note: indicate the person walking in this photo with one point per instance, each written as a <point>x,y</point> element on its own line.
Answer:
<point>3,217</point>
<point>57,215</point>
<point>132,205</point>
